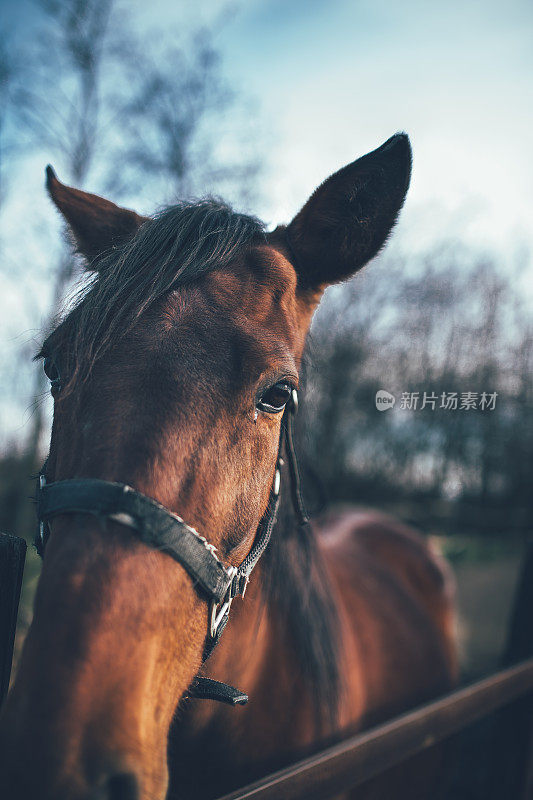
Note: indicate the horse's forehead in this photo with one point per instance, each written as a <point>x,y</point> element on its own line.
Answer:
<point>260,288</point>
<point>246,318</point>
<point>255,297</point>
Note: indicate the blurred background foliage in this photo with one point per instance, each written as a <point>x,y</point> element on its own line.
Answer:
<point>131,116</point>
<point>452,322</point>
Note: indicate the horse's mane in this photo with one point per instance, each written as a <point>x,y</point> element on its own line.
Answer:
<point>172,249</point>
<point>295,580</point>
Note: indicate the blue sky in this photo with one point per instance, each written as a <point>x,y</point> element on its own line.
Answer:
<point>328,80</point>
<point>331,79</point>
<point>334,78</point>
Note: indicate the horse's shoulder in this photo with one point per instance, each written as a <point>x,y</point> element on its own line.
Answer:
<point>366,548</point>
<point>376,536</point>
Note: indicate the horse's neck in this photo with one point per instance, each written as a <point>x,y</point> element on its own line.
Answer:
<point>282,639</point>
<point>257,656</point>
<point>257,637</point>
<point>251,640</point>
<point>282,642</point>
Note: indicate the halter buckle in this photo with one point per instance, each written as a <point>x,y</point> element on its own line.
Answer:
<point>218,612</point>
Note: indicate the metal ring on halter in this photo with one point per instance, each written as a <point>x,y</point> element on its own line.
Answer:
<point>218,612</point>
<point>277,482</point>
<point>294,398</point>
<point>42,482</point>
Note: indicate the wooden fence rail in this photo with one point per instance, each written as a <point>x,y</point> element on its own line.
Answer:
<point>359,758</point>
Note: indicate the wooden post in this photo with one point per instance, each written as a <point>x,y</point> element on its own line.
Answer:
<point>12,557</point>
<point>512,758</point>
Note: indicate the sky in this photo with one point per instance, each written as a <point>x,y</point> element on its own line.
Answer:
<point>332,79</point>
<point>329,80</point>
<point>335,78</point>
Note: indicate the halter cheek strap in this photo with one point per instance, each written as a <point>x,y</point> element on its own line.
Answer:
<point>163,530</point>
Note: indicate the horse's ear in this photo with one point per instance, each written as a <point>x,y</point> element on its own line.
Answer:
<point>96,224</point>
<point>348,218</point>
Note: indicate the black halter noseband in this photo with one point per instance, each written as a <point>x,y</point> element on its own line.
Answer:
<point>163,530</point>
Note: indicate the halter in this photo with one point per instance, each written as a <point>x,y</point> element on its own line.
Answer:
<point>163,530</point>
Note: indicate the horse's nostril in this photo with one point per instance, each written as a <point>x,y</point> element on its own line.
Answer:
<point>123,786</point>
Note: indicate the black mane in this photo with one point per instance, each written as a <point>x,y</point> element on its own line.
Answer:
<point>295,580</point>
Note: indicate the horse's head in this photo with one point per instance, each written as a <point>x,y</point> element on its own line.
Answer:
<point>170,375</point>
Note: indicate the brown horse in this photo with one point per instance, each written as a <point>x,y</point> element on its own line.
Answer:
<point>171,375</point>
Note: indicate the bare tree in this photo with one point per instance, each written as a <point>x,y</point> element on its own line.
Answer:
<point>175,127</point>
<point>453,322</point>
<point>6,79</point>
<point>111,113</point>
<point>59,106</point>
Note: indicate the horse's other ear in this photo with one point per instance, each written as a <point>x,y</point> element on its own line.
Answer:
<point>348,218</point>
<point>96,224</point>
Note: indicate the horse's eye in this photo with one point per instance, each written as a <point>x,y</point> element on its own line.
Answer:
<point>52,372</point>
<point>274,399</point>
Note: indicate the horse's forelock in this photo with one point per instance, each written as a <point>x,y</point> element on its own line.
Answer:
<point>175,247</point>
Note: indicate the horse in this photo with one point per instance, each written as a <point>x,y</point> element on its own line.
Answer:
<point>174,378</point>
